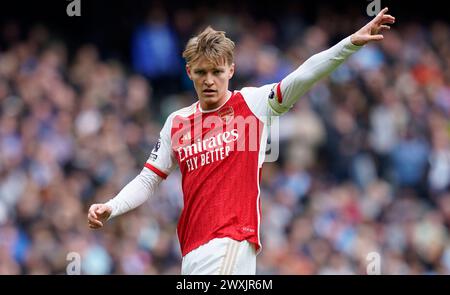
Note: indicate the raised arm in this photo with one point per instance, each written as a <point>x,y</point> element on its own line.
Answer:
<point>320,65</point>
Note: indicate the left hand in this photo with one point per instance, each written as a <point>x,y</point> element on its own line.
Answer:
<point>372,30</point>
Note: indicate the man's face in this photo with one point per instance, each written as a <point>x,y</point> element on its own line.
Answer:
<point>210,82</point>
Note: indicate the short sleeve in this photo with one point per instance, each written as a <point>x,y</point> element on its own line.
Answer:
<point>259,100</point>
<point>161,159</point>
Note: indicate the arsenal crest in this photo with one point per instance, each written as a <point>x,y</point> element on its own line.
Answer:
<point>226,114</point>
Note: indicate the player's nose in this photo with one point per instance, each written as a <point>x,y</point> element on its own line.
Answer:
<point>209,79</point>
<point>209,82</point>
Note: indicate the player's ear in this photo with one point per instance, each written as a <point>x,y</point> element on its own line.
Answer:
<point>231,73</point>
<point>188,71</point>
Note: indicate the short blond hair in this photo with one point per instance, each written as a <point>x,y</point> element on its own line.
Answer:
<point>211,44</point>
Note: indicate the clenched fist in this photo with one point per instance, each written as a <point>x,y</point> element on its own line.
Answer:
<point>98,213</point>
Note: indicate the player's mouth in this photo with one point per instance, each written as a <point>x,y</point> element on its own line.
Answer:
<point>209,92</point>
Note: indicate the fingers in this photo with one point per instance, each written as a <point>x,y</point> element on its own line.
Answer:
<point>380,24</point>
<point>93,216</point>
<point>100,210</point>
<point>384,28</point>
<point>103,212</point>
<point>378,37</point>
<point>383,25</point>
<point>92,210</point>
<point>380,14</point>
<point>372,30</point>
<point>93,222</point>
<point>387,19</point>
<point>382,17</point>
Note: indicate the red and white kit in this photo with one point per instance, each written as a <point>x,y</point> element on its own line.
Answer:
<point>220,154</point>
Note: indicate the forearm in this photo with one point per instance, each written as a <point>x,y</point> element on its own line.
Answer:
<point>296,84</point>
<point>135,193</point>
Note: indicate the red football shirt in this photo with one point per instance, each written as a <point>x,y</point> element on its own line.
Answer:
<point>219,153</point>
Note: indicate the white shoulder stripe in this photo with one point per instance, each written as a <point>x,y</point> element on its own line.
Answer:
<point>187,111</point>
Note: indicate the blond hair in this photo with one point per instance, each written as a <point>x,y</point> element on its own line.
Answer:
<point>211,44</point>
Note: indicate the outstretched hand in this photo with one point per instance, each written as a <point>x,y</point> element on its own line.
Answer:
<point>98,213</point>
<point>372,30</point>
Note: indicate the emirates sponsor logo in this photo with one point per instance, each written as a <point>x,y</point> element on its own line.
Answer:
<point>203,140</point>
<point>208,144</point>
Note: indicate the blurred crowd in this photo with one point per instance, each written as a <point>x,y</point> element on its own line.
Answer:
<point>364,164</point>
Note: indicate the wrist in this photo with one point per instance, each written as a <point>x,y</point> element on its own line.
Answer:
<point>355,41</point>
<point>110,205</point>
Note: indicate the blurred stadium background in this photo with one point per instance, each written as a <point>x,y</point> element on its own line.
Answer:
<point>365,155</point>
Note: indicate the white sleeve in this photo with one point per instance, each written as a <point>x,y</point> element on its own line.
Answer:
<point>161,159</point>
<point>257,98</point>
<point>290,89</point>
<point>135,193</point>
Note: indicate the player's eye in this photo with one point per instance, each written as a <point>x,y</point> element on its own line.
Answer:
<point>199,72</point>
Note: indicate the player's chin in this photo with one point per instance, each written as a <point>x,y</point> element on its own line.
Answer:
<point>210,99</point>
